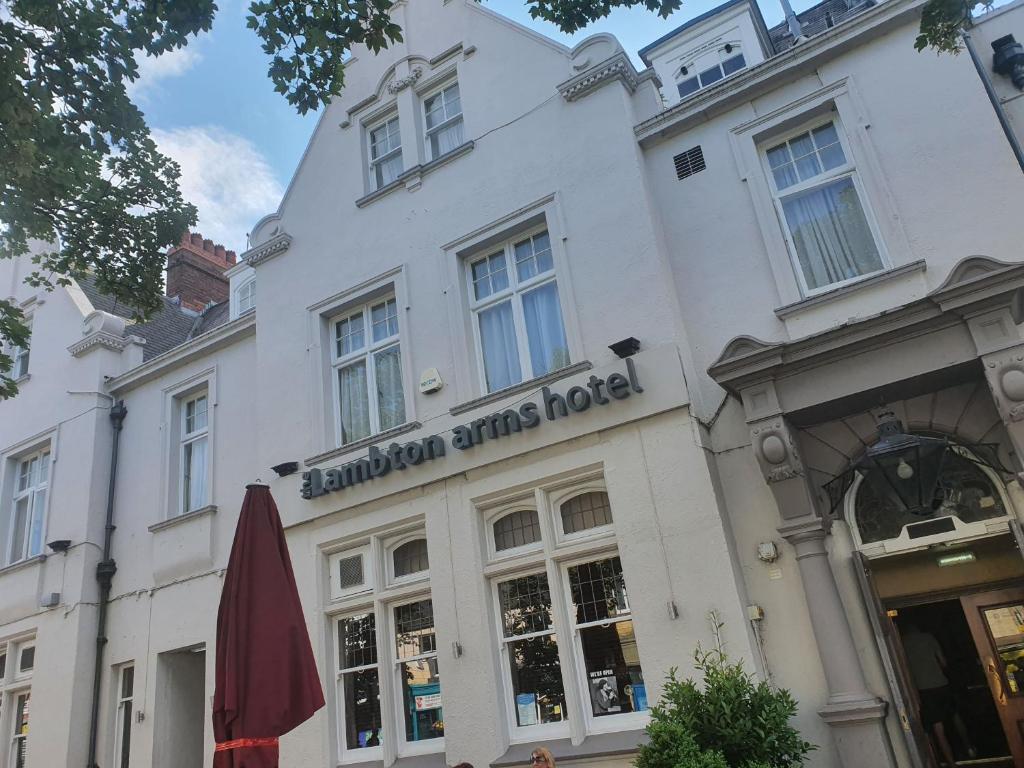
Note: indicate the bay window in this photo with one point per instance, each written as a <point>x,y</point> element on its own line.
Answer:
<point>193,458</point>
<point>28,507</point>
<point>443,120</point>
<point>517,314</point>
<point>367,362</point>
<point>819,202</point>
<point>385,153</point>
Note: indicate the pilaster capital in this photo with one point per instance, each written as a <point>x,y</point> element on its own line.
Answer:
<point>807,535</point>
<point>1004,371</point>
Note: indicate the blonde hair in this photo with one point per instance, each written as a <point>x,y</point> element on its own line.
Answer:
<point>546,754</point>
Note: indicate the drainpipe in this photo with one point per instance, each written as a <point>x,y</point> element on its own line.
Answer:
<point>997,105</point>
<point>105,571</point>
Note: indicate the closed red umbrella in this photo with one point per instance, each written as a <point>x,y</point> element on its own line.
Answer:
<point>267,682</point>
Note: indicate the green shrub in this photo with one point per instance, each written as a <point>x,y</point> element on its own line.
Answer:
<point>731,721</point>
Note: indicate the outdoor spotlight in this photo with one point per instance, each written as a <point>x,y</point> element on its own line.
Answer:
<point>1008,59</point>
<point>626,347</point>
<point>59,545</point>
<point>286,468</point>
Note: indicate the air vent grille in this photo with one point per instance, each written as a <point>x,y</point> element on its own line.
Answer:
<point>689,162</point>
<point>350,572</point>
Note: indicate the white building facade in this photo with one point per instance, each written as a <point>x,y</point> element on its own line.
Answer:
<point>527,454</point>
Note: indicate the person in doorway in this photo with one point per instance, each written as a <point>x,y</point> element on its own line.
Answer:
<point>928,671</point>
<point>541,757</point>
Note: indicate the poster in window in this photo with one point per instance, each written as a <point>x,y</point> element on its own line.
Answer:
<point>526,707</point>
<point>604,694</point>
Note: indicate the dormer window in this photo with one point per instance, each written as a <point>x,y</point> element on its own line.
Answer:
<point>732,62</point>
<point>385,153</point>
<point>245,297</point>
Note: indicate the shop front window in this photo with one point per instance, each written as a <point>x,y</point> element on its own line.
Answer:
<point>416,660</point>
<point>358,682</point>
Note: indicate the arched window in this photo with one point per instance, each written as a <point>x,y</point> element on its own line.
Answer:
<point>516,529</point>
<point>964,491</point>
<point>410,558</point>
<point>246,296</point>
<point>586,511</point>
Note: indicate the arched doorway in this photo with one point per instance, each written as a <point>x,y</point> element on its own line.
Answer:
<point>945,590</point>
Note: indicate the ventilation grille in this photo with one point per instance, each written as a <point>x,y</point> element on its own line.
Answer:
<point>350,572</point>
<point>689,162</point>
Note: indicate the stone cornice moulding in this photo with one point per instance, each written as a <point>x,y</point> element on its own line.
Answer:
<point>275,246</point>
<point>616,67</point>
<point>104,340</point>
<point>975,285</point>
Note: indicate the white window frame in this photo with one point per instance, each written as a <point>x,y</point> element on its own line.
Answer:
<point>367,754</point>
<point>389,559</point>
<point>246,294</point>
<point>620,721</point>
<point>496,514</point>
<point>369,572</point>
<point>390,154</point>
<point>12,685</point>
<point>555,555</point>
<point>366,353</point>
<point>187,438</point>
<point>120,724</point>
<point>847,170</point>
<point>30,493</point>
<point>514,292</point>
<point>542,731</point>
<point>563,496</point>
<point>406,748</point>
<point>448,120</point>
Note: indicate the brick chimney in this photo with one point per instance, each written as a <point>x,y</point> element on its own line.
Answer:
<point>195,271</point>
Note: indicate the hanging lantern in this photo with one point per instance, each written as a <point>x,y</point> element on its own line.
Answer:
<point>904,467</point>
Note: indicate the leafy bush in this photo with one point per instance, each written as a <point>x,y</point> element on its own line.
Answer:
<point>731,721</point>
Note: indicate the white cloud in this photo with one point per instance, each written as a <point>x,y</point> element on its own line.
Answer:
<point>153,69</point>
<point>225,177</point>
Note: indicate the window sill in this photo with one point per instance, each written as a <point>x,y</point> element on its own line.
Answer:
<point>22,564</point>
<point>23,378</point>
<point>334,453</point>
<point>821,298</point>
<point>209,509</point>
<point>598,745</point>
<point>522,386</point>
<point>411,177</point>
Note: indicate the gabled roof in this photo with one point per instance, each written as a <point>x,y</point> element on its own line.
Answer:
<point>167,328</point>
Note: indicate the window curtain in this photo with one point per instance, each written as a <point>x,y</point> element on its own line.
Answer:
<point>548,348</point>
<point>831,234</point>
<point>446,139</point>
<point>498,339</point>
<point>355,406</point>
<point>390,401</point>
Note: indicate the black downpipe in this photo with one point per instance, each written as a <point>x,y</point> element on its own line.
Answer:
<point>105,571</point>
<point>997,105</point>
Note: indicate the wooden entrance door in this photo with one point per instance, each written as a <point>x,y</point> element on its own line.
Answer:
<point>996,620</point>
<point>891,650</point>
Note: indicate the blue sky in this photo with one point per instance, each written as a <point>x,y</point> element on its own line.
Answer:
<point>212,108</point>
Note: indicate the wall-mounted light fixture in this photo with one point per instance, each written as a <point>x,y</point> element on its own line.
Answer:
<point>59,545</point>
<point>286,468</point>
<point>626,347</point>
<point>956,558</point>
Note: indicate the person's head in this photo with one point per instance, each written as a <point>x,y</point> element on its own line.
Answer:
<point>541,758</point>
<point>604,685</point>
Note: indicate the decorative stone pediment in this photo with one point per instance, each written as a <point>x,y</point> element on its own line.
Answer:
<point>740,347</point>
<point>401,83</point>
<point>617,67</point>
<point>277,244</point>
<point>971,269</point>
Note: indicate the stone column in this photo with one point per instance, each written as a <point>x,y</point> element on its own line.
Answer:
<point>854,714</point>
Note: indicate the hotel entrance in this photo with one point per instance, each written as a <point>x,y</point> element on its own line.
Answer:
<point>950,625</point>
